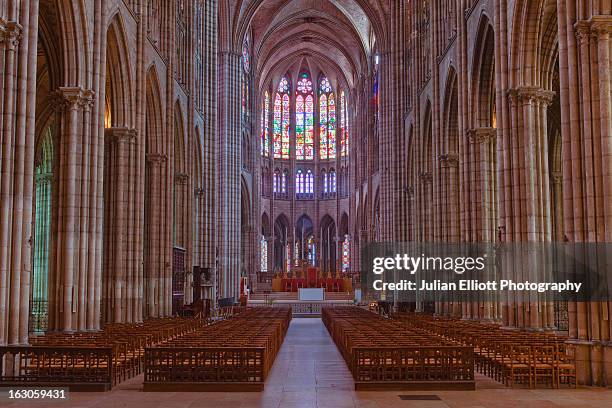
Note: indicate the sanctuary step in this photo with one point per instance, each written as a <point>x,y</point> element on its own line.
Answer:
<point>294,296</point>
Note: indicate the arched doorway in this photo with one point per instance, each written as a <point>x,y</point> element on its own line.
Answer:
<point>328,244</point>
<point>305,246</point>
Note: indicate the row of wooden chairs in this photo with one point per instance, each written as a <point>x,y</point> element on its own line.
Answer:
<point>380,350</point>
<point>127,341</point>
<point>237,349</point>
<point>524,358</point>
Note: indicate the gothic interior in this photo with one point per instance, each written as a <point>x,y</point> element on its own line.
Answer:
<point>157,155</point>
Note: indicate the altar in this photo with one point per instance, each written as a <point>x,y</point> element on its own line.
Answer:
<point>311,277</point>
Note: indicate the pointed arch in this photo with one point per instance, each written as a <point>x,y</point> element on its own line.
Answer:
<point>281,119</point>
<point>180,162</point>
<point>154,114</point>
<point>304,117</point>
<point>450,140</point>
<point>118,92</point>
<point>427,147</point>
<point>483,75</point>
<point>74,36</point>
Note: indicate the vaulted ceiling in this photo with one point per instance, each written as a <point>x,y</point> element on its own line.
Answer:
<point>335,37</point>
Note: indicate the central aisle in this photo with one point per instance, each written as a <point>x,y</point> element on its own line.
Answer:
<point>309,368</point>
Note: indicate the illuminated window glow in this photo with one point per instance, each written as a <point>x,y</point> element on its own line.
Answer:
<point>304,119</point>
<point>281,120</point>
<point>265,129</point>
<point>346,254</point>
<point>327,121</point>
<point>344,131</point>
<point>264,254</point>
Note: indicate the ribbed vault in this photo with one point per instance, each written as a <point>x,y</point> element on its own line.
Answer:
<point>334,37</point>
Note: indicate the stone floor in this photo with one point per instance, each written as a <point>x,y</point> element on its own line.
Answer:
<point>309,373</point>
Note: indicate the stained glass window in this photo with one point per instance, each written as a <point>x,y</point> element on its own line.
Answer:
<point>327,121</point>
<point>275,182</point>
<point>246,61</point>
<point>312,250</point>
<point>309,185</point>
<point>304,120</point>
<point>325,189</point>
<point>299,182</point>
<point>332,181</point>
<point>281,120</point>
<point>265,128</point>
<point>39,306</point>
<point>246,65</point>
<point>284,182</point>
<point>344,132</point>
<point>346,253</point>
<point>264,254</point>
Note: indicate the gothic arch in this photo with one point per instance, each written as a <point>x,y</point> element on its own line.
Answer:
<point>534,44</point>
<point>265,225</point>
<point>180,161</point>
<point>154,114</point>
<point>74,37</point>
<point>483,76</point>
<point>118,92</point>
<point>245,204</point>
<point>450,139</point>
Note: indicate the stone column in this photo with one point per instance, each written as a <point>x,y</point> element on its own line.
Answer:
<point>10,37</point>
<point>154,243</point>
<point>67,269</point>
<point>484,142</point>
<point>121,284</point>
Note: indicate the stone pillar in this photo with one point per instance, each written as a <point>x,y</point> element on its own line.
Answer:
<point>484,141</point>
<point>67,270</point>
<point>155,245</point>
<point>121,285</point>
<point>228,174</point>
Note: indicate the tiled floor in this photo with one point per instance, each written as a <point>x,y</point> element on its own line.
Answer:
<point>309,372</point>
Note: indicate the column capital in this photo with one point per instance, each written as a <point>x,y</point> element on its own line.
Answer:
<point>157,159</point>
<point>530,94</point>
<point>426,177</point>
<point>449,160</point>
<point>181,178</point>
<point>10,33</point>
<point>556,177</point>
<point>601,26</point>
<point>199,192</point>
<point>75,97</point>
<point>120,134</point>
<point>482,135</point>
<point>582,30</point>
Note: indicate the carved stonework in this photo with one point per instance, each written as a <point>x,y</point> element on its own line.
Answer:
<point>10,33</point>
<point>556,177</point>
<point>601,27</point>
<point>120,135</point>
<point>181,179</point>
<point>157,159</point>
<point>482,135</point>
<point>426,177</point>
<point>582,29</point>
<point>75,97</point>
<point>530,94</point>
<point>448,160</point>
